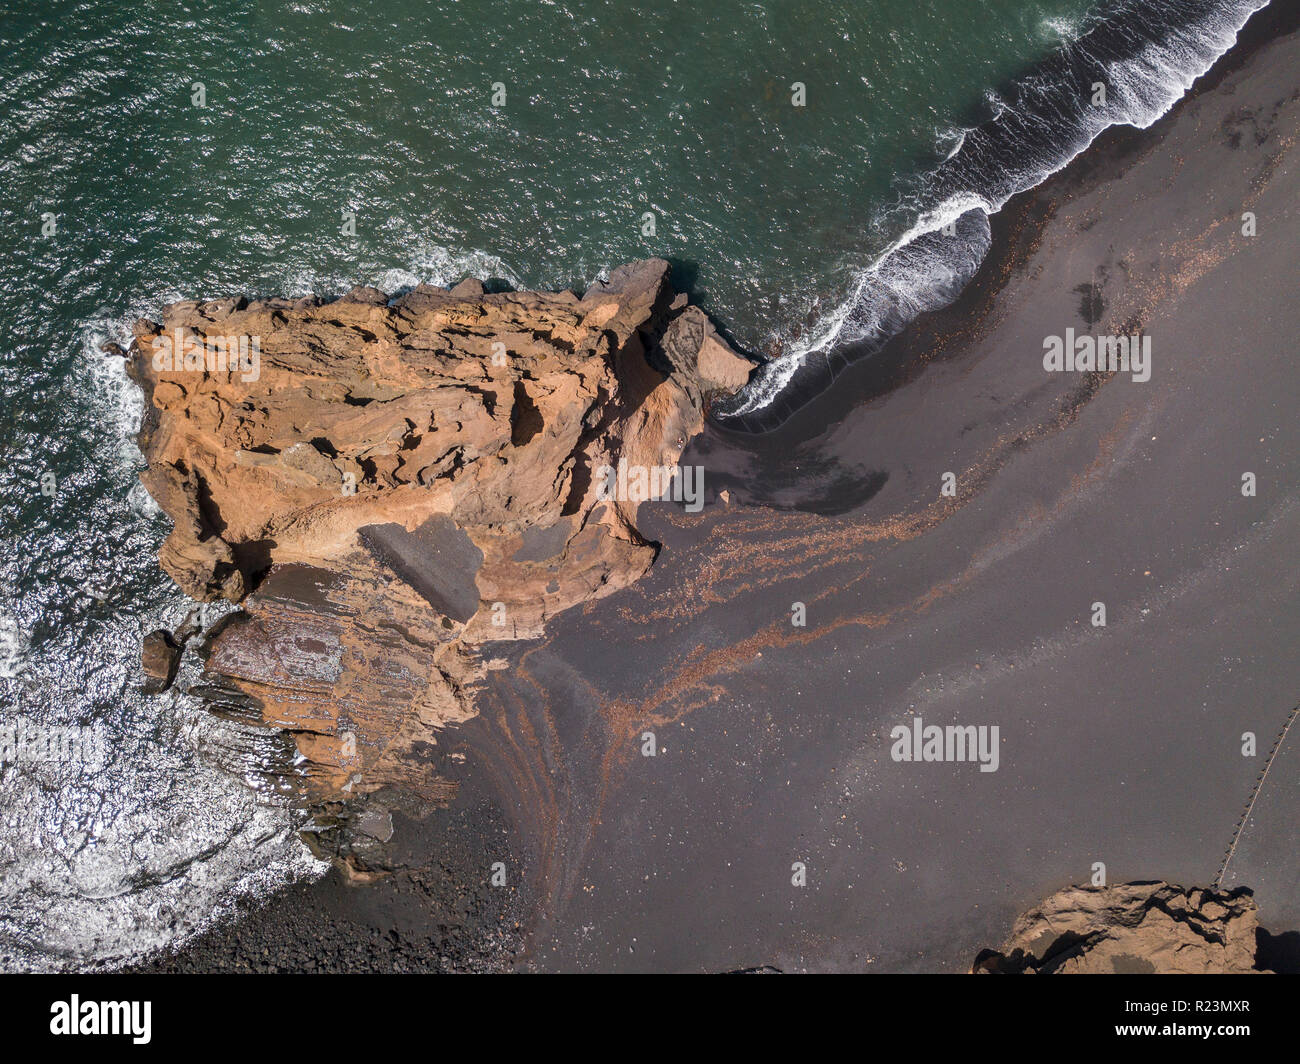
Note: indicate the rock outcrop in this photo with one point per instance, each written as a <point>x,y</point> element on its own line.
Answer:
<point>1132,928</point>
<point>160,656</point>
<point>386,485</point>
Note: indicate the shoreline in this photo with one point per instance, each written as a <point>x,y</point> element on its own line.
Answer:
<point>338,916</point>
<point>1277,17</point>
<point>1016,231</point>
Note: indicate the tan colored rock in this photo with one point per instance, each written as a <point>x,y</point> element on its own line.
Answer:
<point>398,482</point>
<point>1132,928</point>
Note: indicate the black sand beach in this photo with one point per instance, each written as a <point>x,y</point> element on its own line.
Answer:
<point>1119,745</point>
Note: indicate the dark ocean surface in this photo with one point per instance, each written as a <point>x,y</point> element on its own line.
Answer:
<point>798,162</point>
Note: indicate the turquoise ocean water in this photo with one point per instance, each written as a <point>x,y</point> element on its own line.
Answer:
<point>797,161</point>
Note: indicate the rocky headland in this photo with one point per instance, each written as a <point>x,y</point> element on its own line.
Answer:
<point>1122,742</point>
<point>387,486</point>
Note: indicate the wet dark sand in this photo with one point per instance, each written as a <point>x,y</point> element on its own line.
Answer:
<point>1120,744</point>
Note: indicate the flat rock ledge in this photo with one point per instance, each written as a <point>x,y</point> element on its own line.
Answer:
<point>1132,928</point>
<point>386,486</point>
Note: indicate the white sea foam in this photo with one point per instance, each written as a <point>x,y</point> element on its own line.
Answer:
<point>903,282</point>
<point>102,863</point>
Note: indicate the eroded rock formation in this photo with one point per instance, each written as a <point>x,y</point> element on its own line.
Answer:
<point>388,485</point>
<point>1133,928</point>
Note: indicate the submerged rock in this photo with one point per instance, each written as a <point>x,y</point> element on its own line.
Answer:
<point>386,485</point>
<point>1132,928</point>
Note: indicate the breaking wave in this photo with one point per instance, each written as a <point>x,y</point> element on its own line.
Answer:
<point>1147,54</point>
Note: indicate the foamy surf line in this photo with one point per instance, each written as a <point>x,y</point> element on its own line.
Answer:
<point>1146,55</point>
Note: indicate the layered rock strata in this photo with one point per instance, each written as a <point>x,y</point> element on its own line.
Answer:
<point>387,485</point>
